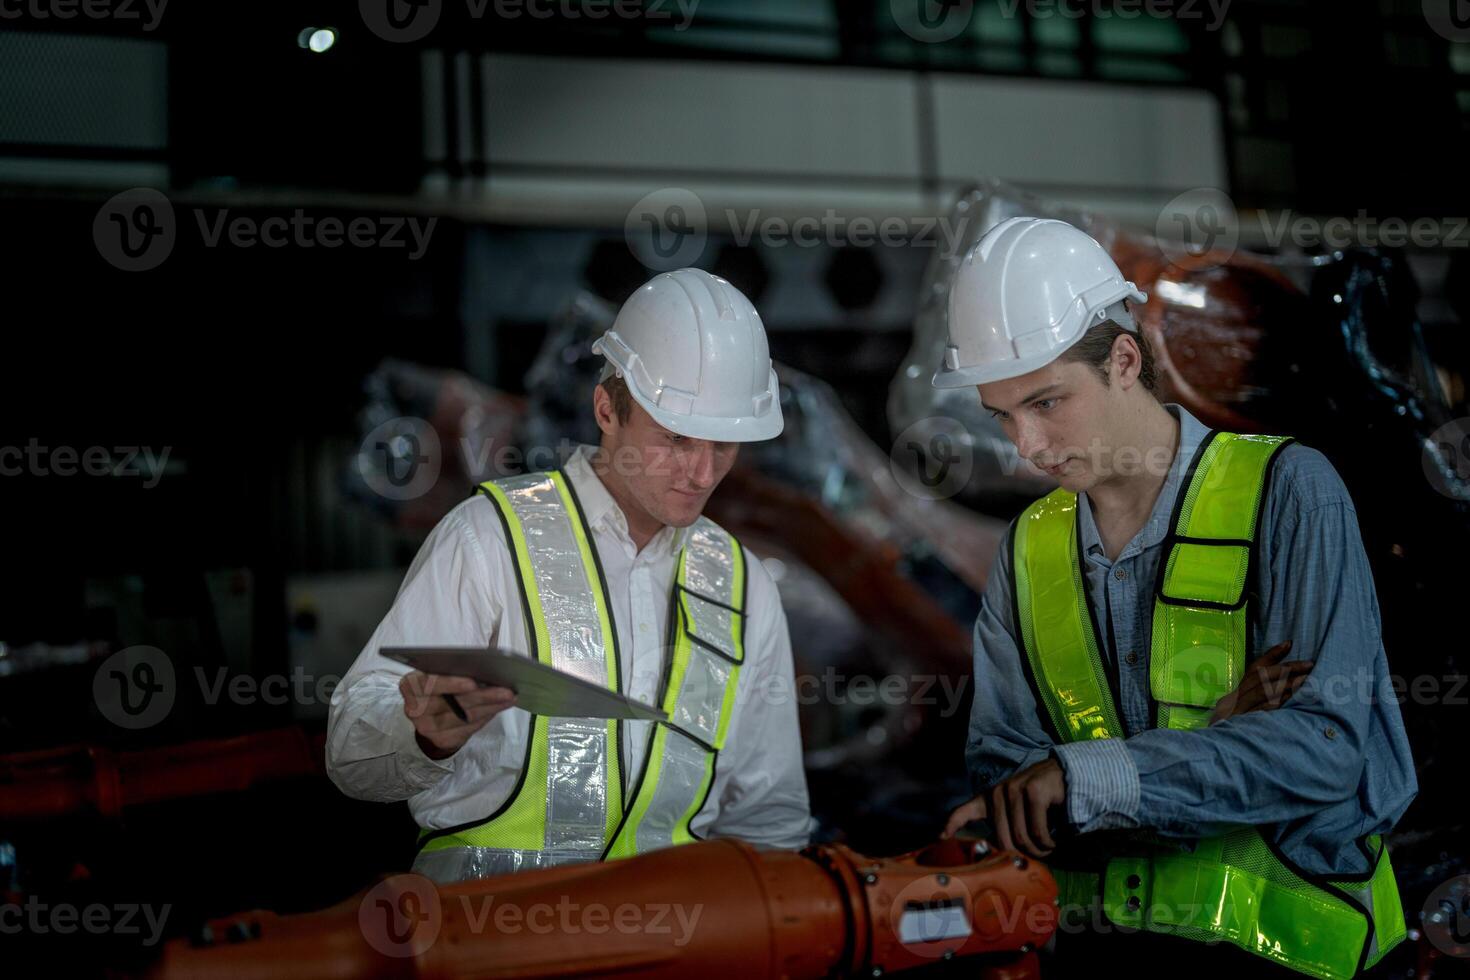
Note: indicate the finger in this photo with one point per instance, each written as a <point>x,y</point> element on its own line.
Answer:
<point>998,817</point>
<point>1255,701</point>
<point>486,695</point>
<point>1036,807</point>
<point>1016,804</point>
<point>1275,654</point>
<point>1282,680</point>
<point>431,684</point>
<point>447,731</point>
<point>963,814</point>
<point>1287,691</point>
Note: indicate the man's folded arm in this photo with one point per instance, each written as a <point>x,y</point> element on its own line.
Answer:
<point>1262,767</point>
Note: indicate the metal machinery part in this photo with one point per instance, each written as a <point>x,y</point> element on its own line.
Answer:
<point>745,912</point>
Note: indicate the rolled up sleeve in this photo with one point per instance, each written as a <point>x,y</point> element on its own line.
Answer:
<point>447,597</point>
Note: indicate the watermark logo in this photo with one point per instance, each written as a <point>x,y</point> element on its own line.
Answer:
<point>135,687</point>
<point>1450,19</point>
<point>135,230</point>
<point>1197,223</point>
<point>401,916</point>
<point>932,21</point>
<point>1446,459</point>
<point>1447,917</point>
<point>138,687</point>
<point>933,458</point>
<point>406,21</point>
<point>937,21</point>
<point>665,230</point>
<point>400,21</point>
<point>400,458</point>
<point>1201,229</point>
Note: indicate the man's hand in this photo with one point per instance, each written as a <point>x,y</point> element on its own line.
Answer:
<point>1017,807</point>
<point>1268,684</point>
<point>438,729</point>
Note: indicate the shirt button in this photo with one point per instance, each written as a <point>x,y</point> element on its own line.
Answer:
<point>1132,658</point>
<point>1330,732</point>
<point>1120,574</point>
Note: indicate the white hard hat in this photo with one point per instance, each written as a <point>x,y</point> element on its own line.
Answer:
<point>1024,294</point>
<point>693,352</point>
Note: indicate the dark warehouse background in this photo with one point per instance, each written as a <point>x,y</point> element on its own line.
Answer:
<point>519,148</point>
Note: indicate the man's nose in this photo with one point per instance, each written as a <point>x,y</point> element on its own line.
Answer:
<point>701,465</point>
<point>1030,440</point>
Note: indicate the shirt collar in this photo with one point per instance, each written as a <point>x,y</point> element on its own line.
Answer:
<point>1192,432</point>
<point>601,510</point>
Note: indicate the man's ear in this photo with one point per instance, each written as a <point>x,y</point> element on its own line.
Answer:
<point>603,411</point>
<point>1126,361</point>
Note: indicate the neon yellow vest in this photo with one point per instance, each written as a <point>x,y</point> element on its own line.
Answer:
<point>1236,887</point>
<point>570,803</point>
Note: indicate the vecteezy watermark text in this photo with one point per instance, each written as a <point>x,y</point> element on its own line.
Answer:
<point>136,230</point>
<point>407,21</point>
<point>147,12</point>
<point>35,459</point>
<point>1203,228</point>
<point>39,918</point>
<point>937,21</point>
<point>403,915</point>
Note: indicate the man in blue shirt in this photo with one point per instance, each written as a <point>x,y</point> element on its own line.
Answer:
<point>1039,322</point>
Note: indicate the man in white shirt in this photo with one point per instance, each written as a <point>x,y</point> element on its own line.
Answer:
<point>517,566</point>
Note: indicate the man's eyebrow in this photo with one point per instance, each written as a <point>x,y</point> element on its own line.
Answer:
<point>1039,392</point>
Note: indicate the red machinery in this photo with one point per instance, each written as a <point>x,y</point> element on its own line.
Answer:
<point>712,909</point>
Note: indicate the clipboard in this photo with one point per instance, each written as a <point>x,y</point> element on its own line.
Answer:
<point>539,689</point>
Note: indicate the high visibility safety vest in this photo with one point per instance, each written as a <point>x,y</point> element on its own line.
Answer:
<point>1237,887</point>
<point>571,803</point>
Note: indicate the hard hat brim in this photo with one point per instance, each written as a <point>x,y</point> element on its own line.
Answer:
<point>752,428</point>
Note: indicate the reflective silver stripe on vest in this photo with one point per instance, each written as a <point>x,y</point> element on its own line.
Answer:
<point>463,863</point>
<point>709,574</point>
<point>679,783</point>
<point>576,770</point>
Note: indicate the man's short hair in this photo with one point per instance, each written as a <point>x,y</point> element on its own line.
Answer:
<point>1096,348</point>
<point>617,390</point>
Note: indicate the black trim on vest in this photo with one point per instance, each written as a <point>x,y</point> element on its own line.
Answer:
<point>538,722</point>
<point>713,602</point>
<point>663,688</point>
<point>714,769</point>
<point>1178,508</point>
<point>1048,725</point>
<point>1252,576</point>
<point>1326,884</point>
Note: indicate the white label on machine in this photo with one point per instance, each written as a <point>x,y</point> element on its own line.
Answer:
<point>931,923</point>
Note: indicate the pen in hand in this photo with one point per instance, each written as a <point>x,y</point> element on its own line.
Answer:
<point>455,707</point>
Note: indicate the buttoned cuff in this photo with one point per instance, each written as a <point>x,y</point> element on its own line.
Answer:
<point>416,769</point>
<point>1102,784</point>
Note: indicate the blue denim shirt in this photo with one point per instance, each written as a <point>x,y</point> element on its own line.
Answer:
<point>1328,767</point>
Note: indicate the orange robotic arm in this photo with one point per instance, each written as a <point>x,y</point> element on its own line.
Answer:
<point>712,909</point>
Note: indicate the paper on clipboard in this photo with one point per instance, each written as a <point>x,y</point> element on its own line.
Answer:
<point>539,689</point>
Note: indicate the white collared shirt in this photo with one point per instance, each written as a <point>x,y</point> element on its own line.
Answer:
<point>461,591</point>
